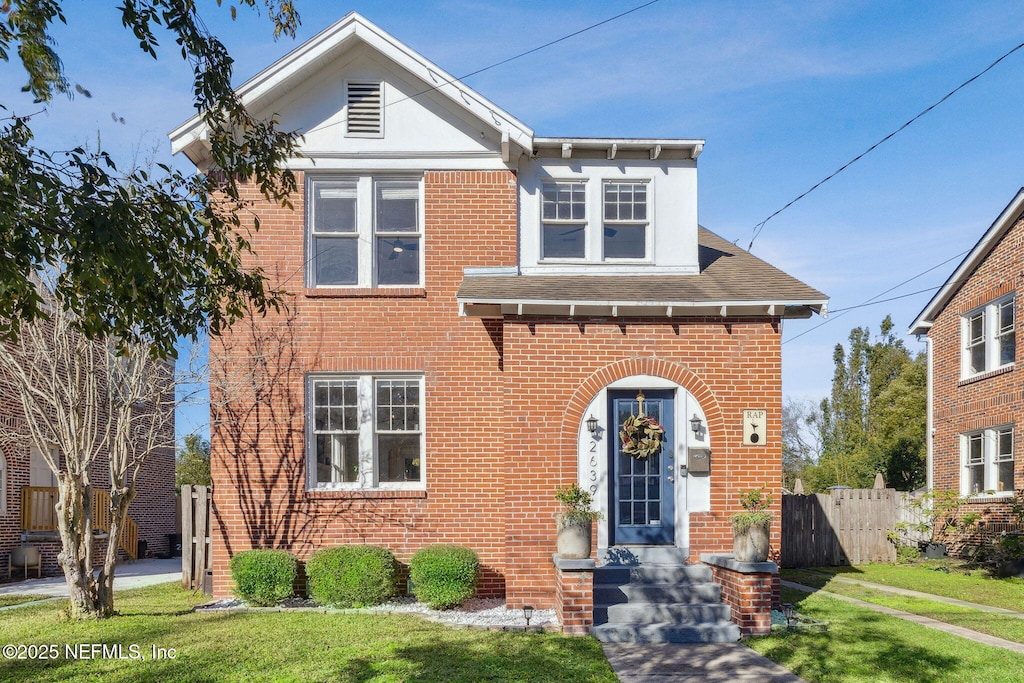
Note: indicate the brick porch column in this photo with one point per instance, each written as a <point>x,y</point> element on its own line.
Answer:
<point>574,595</point>
<point>751,589</point>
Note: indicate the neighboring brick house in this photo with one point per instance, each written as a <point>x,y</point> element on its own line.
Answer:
<point>28,492</point>
<point>467,295</point>
<point>975,393</point>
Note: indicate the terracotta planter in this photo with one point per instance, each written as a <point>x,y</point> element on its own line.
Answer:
<point>573,541</point>
<point>751,545</point>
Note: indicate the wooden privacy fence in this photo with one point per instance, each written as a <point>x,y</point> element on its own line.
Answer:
<point>38,513</point>
<point>195,536</point>
<point>846,526</point>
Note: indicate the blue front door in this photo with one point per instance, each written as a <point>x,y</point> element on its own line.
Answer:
<point>643,490</point>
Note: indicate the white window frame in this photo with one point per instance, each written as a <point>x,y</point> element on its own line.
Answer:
<point>582,223</point>
<point>646,222</point>
<point>366,233</point>
<point>368,472</point>
<point>990,339</point>
<point>988,441</point>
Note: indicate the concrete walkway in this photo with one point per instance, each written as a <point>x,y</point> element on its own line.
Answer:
<point>982,638</point>
<point>707,662</point>
<point>129,575</point>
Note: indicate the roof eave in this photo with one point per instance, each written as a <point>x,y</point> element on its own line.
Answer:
<point>978,253</point>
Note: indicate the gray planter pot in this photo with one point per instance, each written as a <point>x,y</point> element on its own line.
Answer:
<point>751,545</point>
<point>573,541</point>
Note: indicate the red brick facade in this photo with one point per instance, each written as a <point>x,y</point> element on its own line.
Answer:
<point>504,401</point>
<point>988,400</point>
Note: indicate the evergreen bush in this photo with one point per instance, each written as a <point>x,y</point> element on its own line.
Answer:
<point>443,576</point>
<point>263,577</point>
<point>351,575</point>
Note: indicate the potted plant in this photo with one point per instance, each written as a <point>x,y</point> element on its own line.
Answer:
<point>573,522</point>
<point>751,528</point>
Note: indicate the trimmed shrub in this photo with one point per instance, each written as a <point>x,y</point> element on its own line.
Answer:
<point>351,575</point>
<point>263,577</point>
<point>443,576</point>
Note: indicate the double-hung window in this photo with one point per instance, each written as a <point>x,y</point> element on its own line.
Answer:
<point>364,232</point>
<point>625,220</point>
<point>988,461</point>
<point>365,431</point>
<point>989,338</point>
<point>564,220</point>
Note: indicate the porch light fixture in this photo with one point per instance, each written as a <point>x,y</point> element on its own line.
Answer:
<point>528,610</point>
<point>696,424</point>
<point>592,424</point>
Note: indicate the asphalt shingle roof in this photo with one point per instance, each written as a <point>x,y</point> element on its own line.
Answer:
<point>727,274</point>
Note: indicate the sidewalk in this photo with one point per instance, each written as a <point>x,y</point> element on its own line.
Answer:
<point>689,663</point>
<point>129,575</point>
<point>982,638</point>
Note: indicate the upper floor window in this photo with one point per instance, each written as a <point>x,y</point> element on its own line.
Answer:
<point>364,232</point>
<point>625,220</point>
<point>365,431</point>
<point>564,220</point>
<point>989,340</point>
<point>988,461</point>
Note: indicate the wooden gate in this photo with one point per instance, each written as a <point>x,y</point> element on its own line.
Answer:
<point>195,536</point>
<point>846,526</point>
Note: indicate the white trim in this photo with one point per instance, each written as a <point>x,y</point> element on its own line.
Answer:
<point>979,253</point>
<point>989,438</point>
<point>989,313</point>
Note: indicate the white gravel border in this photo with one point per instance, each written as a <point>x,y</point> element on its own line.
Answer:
<point>476,613</point>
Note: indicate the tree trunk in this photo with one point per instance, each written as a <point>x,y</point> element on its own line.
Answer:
<point>119,502</point>
<point>75,557</point>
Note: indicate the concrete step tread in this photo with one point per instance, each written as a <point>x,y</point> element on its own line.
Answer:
<point>667,632</point>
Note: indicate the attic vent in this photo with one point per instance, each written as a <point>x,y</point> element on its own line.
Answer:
<point>364,108</point>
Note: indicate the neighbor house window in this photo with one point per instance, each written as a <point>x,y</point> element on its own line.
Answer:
<point>988,461</point>
<point>625,220</point>
<point>364,232</point>
<point>564,220</point>
<point>365,431</point>
<point>989,339</point>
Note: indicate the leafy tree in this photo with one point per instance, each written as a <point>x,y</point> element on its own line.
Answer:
<point>131,260</point>
<point>874,419</point>
<point>193,462</point>
<point>142,257</point>
<point>801,442</point>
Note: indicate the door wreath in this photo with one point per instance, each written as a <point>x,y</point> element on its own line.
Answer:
<point>641,434</point>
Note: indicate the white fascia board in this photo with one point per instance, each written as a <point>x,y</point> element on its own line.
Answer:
<point>695,146</point>
<point>820,303</point>
<point>979,253</point>
<point>325,46</point>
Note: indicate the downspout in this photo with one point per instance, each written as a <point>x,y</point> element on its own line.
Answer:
<point>929,424</point>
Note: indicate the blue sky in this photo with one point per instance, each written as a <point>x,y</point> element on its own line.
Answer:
<point>784,93</point>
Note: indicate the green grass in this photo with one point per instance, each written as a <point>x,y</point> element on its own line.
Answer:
<point>289,646</point>
<point>862,646</point>
<point>16,599</point>
<point>999,625</point>
<point>973,586</point>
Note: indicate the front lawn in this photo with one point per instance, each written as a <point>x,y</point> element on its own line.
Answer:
<point>970,585</point>
<point>862,646</point>
<point>999,625</point>
<point>285,646</point>
<point>18,599</point>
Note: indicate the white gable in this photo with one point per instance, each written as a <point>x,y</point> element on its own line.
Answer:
<point>306,90</point>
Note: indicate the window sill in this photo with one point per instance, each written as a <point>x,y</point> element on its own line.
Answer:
<point>985,375</point>
<point>365,292</point>
<point>367,494</point>
<point>982,498</point>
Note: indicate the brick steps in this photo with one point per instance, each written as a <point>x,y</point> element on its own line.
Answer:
<point>653,602</point>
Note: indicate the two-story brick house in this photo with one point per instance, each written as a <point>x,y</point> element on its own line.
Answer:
<point>975,396</point>
<point>467,295</point>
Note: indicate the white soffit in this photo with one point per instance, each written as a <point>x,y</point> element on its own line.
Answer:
<point>981,250</point>
<point>323,48</point>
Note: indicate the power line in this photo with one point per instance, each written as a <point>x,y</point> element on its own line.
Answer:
<point>513,58</point>
<point>873,300</point>
<point>760,226</point>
